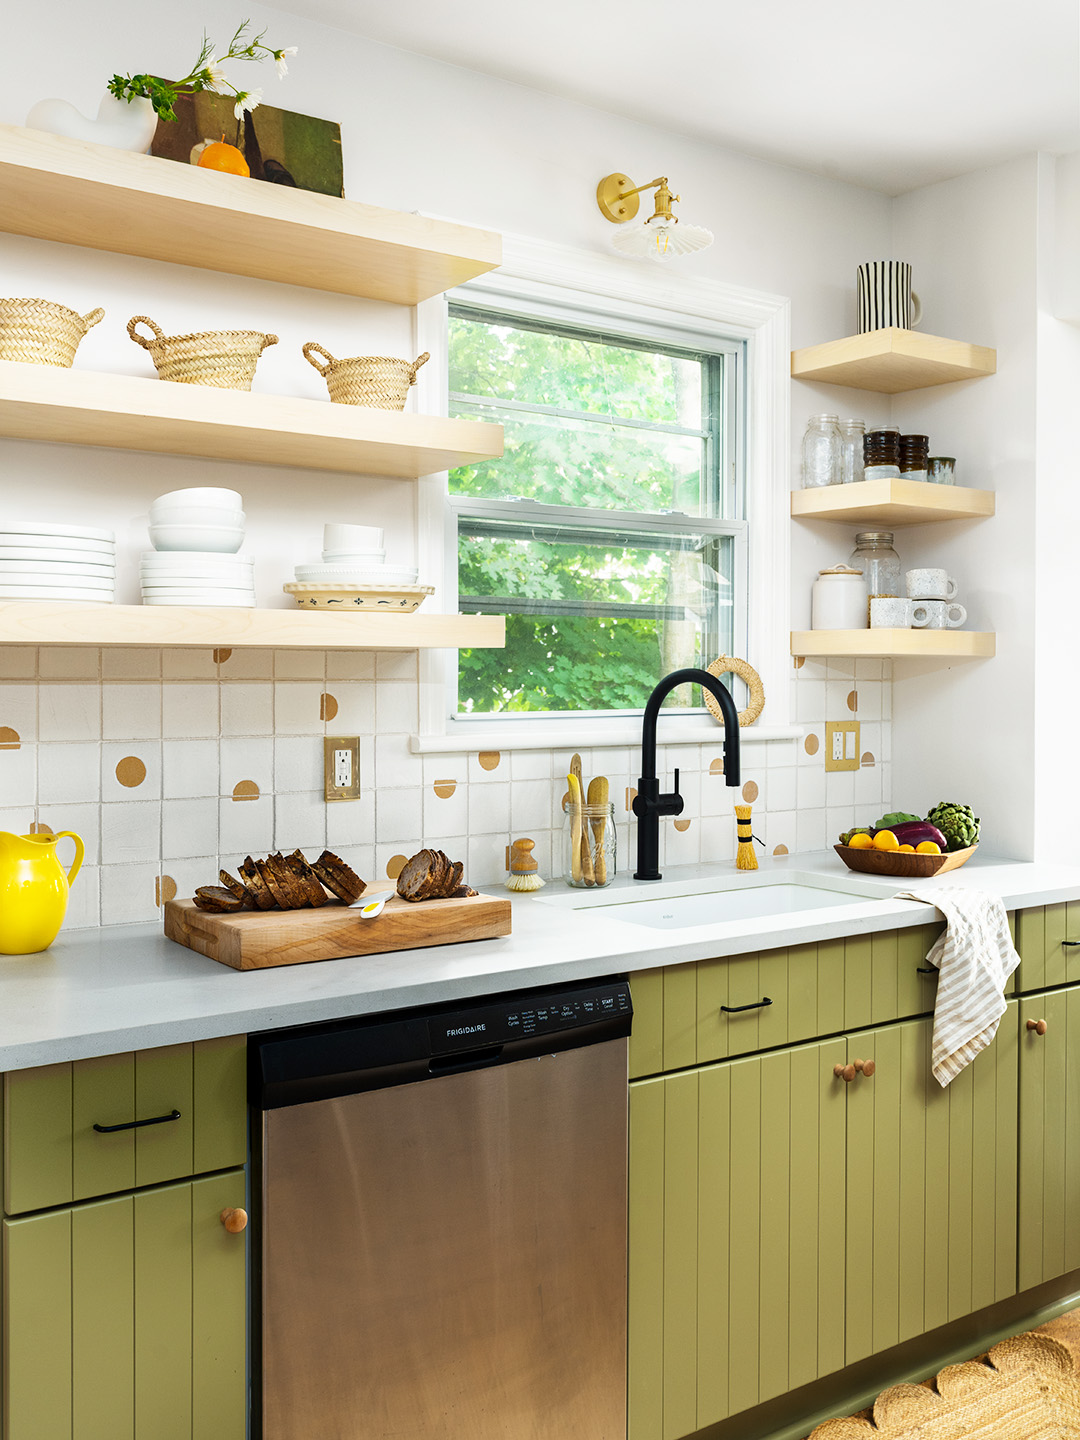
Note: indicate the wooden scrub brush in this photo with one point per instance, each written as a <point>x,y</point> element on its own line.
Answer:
<point>745,858</point>
<point>523,867</point>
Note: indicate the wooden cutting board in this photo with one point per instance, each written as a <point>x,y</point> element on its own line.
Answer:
<point>258,939</point>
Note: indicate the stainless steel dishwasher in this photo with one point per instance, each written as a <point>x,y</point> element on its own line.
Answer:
<point>443,1221</point>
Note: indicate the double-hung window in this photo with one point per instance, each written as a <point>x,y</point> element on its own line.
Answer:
<point>611,533</point>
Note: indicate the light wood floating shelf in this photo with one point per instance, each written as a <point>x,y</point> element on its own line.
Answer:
<point>83,194</point>
<point>42,623</point>
<point>891,502</point>
<point>891,361</point>
<point>82,407</point>
<point>885,644</point>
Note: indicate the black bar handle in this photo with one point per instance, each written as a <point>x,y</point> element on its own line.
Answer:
<point>756,1005</point>
<point>1070,942</point>
<point>468,1060</point>
<point>136,1124</point>
<point>926,969</point>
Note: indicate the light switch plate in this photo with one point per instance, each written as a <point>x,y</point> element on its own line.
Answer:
<point>341,767</point>
<point>842,745</point>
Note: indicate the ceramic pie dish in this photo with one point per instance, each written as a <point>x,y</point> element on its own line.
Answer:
<point>905,865</point>
<point>393,599</point>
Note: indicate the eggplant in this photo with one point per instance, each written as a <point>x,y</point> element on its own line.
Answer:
<point>914,832</point>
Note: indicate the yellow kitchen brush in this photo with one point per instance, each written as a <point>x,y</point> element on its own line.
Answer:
<point>523,867</point>
<point>745,859</point>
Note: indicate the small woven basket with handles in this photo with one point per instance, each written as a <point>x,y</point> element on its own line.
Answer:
<point>225,359</point>
<point>377,381</point>
<point>40,332</point>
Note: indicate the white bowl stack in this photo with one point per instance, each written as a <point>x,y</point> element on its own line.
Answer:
<point>354,555</point>
<point>195,534</point>
<point>40,561</point>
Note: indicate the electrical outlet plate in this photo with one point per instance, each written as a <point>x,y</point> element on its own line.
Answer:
<point>842,745</point>
<point>341,767</point>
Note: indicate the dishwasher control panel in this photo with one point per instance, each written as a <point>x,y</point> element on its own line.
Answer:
<point>525,1017</point>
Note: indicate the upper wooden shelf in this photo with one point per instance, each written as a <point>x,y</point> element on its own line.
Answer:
<point>125,412</point>
<point>891,502</point>
<point>891,361</point>
<point>83,194</point>
<point>45,623</point>
<point>883,644</point>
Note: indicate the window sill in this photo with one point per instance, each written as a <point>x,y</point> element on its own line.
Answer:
<point>565,735</point>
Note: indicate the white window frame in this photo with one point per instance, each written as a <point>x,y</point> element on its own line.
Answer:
<point>561,283</point>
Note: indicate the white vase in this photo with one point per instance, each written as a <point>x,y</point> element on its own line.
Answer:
<point>122,124</point>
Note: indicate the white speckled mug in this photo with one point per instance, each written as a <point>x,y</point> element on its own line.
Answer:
<point>890,612</point>
<point>936,615</point>
<point>930,585</point>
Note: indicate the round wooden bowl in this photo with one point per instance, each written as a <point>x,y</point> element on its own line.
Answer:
<point>906,866</point>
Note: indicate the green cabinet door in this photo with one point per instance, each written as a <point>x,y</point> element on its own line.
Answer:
<point>1049,1219</point>
<point>125,1318</point>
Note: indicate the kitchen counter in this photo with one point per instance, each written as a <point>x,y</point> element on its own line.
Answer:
<point>100,992</point>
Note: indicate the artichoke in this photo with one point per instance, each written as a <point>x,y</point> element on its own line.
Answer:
<point>898,817</point>
<point>958,823</point>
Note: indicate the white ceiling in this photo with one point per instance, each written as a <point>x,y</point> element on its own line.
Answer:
<point>887,95</point>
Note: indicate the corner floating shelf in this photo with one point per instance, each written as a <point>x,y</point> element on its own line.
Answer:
<point>125,412</point>
<point>82,194</point>
<point>891,502</point>
<point>42,623</point>
<point>885,644</point>
<point>892,361</point>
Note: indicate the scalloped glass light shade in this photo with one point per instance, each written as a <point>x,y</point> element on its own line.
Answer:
<point>656,240</point>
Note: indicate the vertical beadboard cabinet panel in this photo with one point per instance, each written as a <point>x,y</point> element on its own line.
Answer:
<point>1049,1178</point>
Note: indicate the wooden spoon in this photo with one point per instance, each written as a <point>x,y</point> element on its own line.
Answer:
<point>598,795</point>
<point>583,830</point>
<point>574,786</point>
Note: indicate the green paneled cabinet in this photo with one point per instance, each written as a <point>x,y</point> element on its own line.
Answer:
<point>125,1315</point>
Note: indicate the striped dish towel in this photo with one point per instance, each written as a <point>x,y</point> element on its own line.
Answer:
<point>974,956</point>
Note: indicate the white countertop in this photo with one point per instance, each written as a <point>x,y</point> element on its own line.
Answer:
<point>100,992</point>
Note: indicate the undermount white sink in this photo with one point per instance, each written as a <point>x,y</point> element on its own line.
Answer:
<point>743,895</point>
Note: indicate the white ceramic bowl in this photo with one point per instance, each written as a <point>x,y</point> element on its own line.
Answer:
<point>352,537</point>
<point>202,495</point>
<point>224,539</point>
<point>194,515</point>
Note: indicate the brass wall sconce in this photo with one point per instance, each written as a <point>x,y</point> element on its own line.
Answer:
<point>663,235</point>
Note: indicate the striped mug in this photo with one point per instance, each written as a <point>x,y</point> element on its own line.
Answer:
<point>885,296</point>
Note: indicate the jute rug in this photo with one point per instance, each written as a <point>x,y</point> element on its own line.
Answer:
<point>1026,1388</point>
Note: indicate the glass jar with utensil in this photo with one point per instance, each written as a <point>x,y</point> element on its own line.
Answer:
<point>589,847</point>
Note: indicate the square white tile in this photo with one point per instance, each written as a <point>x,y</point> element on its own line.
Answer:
<point>247,709</point>
<point>300,822</point>
<point>246,827</point>
<point>85,820</point>
<point>131,770</point>
<point>128,894</point>
<point>189,768</point>
<point>398,814</point>
<point>190,711</point>
<point>66,773</point>
<point>298,763</point>
<point>190,827</point>
<point>69,712</point>
<point>245,763</point>
<point>396,708</point>
<point>131,833</point>
<point>131,711</point>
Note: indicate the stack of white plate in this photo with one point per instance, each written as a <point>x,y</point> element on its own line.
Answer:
<point>354,555</point>
<point>40,561</point>
<point>196,577</point>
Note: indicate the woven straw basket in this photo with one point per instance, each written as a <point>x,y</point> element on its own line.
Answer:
<point>225,359</point>
<point>377,381</point>
<point>39,332</point>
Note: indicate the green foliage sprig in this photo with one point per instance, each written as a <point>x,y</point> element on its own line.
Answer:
<point>207,74</point>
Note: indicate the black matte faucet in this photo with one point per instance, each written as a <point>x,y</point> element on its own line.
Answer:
<point>649,804</point>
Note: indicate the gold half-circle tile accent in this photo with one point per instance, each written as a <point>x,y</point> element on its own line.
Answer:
<point>9,738</point>
<point>164,889</point>
<point>868,758</point>
<point>631,796</point>
<point>245,790</point>
<point>750,791</point>
<point>489,759</point>
<point>780,850</point>
<point>328,706</point>
<point>220,656</point>
<point>445,788</point>
<point>716,767</point>
<point>799,661</point>
<point>682,824</point>
<point>395,865</point>
<point>40,828</point>
<point>811,744</point>
<point>130,771</point>
<point>853,701</point>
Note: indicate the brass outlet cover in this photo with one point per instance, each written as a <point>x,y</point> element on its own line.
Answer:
<point>331,745</point>
<point>842,745</point>
<point>607,197</point>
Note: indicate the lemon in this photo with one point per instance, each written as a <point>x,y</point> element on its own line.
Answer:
<point>885,840</point>
<point>861,841</point>
<point>928,847</point>
<point>909,848</point>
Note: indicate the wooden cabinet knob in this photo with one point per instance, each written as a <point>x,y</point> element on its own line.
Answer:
<point>866,1067</point>
<point>234,1220</point>
<point>1039,1026</point>
<point>844,1072</point>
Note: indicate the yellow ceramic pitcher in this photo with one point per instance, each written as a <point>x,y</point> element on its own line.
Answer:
<point>33,890</point>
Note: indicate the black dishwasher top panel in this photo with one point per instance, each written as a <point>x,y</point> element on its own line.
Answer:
<point>521,1017</point>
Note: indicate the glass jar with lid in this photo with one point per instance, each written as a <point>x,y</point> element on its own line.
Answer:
<point>821,452</point>
<point>880,564</point>
<point>851,451</point>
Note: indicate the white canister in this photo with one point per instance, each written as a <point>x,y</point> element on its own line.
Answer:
<point>840,600</point>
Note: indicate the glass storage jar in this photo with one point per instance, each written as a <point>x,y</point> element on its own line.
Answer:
<point>821,452</point>
<point>880,564</point>
<point>851,451</point>
<point>589,847</point>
